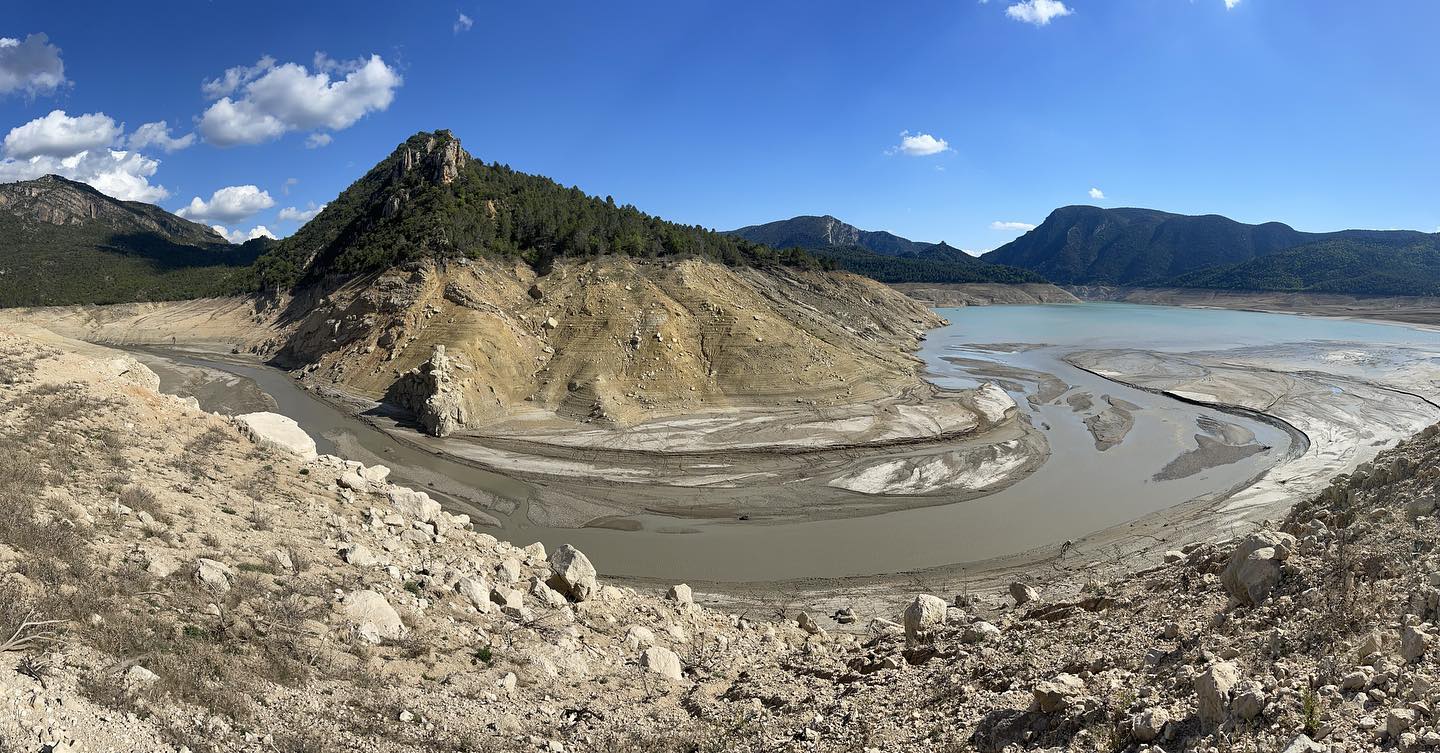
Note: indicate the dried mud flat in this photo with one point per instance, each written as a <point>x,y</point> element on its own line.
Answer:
<point>1341,403</point>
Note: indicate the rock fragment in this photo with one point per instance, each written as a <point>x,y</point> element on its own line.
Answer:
<point>1059,693</point>
<point>1255,565</point>
<point>924,613</point>
<point>1023,593</point>
<point>574,576</point>
<point>372,617</point>
<point>681,594</point>
<point>662,661</point>
<point>1212,691</point>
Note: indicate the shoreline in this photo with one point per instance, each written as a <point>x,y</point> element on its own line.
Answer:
<point>1417,312</point>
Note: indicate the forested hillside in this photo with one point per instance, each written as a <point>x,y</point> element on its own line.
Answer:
<point>1353,266</point>
<point>63,242</point>
<point>884,256</point>
<point>940,266</point>
<point>431,198</point>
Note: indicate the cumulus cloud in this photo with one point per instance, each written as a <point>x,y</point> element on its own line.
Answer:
<point>1007,225</point>
<point>157,134</point>
<point>1096,193</point>
<point>302,216</point>
<point>919,145</point>
<point>265,101</point>
<point>234,78</point>
<point>318,140</point>
<point>229,204</point>
<point>464,22</point>
<point>32,65</point>
<point>1229,4</point>
<point>285,187</point>
<point>1037,12</point>
<point>79,148</point>
<point>240,236</point>
<point>59,135</point>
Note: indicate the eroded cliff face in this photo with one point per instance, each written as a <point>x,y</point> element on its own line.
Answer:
<point>431,392</point>
<point>613,340</point>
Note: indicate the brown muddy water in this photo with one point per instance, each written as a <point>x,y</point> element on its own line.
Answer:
<point>1080,489</point>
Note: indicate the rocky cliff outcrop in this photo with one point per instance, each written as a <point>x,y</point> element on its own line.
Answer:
<point>432,392</point>
<point>54,200</point>
<point>439,159</point>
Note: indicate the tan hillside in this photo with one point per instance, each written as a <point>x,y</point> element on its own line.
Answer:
<point>614,339</point>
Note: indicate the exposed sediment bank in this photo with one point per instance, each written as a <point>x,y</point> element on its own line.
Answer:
<point>984,293</point>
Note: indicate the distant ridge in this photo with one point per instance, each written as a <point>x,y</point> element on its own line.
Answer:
<point>825,231</point>
<point>1086,245</point>
<point>884,256</point>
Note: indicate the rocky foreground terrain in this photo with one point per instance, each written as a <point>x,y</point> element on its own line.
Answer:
<point>174,580</point>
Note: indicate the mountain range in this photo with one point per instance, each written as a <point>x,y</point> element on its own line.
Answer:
<point>819,232</point>
<point>64,242</point>
<point>1086,245</point>
<point>884,256</point>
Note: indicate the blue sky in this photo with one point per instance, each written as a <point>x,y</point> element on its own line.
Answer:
<point>1320,113</point>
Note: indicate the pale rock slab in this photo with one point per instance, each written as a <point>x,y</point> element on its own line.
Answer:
<point>372,616</point>
<point>277,432</point>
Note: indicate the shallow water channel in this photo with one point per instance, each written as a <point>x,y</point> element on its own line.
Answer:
<point>1079,490</point>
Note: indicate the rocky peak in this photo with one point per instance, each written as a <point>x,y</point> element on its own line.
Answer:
<point>54,200</point>
<point>437,156</point>
<point>838,233</point>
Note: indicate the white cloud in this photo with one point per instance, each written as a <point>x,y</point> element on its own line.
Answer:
<point>271,100</point>
<point>1096,193</point>
<point>1006,225</point>
<point>32,65</point>
<point>919,145</point>
<point>59,135</point>
<point>1037,12</point>
<point>79,148</point>
<point>301,216</point>
<point>464,22</point>
<point>318,140</point>
<point>1229,4</point>
<point>234,78</point>
<point>240,236</point>
<point>158,134</point>
<point>285,187</point>
<point>228,204</point>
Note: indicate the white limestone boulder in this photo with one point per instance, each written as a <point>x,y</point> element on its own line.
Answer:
<point>372,617</point>
<point>277,432</point>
